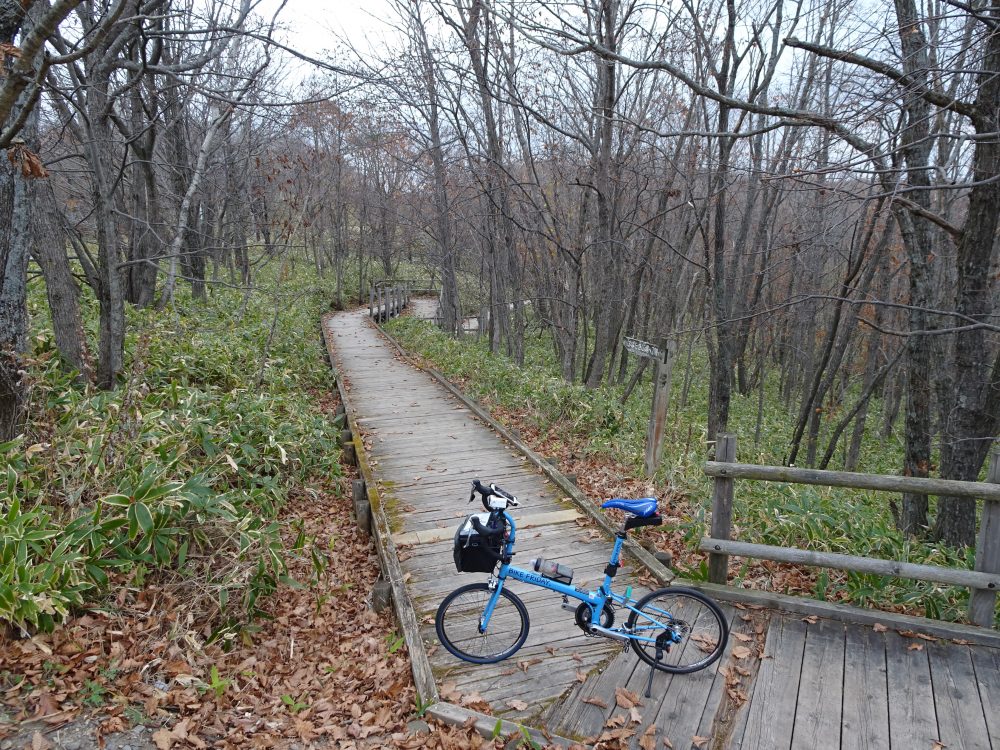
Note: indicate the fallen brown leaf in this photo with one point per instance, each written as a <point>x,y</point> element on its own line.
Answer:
<point>699,741</point>
<point>648,739</point>
<point>626,698</point>
<point>595,702</point>
<point>163,739</point>
<point>740,652</point>
<point>879,627</point>
<point>615,721</point>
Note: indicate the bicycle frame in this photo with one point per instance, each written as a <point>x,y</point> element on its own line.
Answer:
<point>597,599</point>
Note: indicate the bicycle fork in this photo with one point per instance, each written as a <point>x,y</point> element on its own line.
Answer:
<point>484,619</point>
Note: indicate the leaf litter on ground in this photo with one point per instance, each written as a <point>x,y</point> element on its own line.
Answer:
<point>320,670</point>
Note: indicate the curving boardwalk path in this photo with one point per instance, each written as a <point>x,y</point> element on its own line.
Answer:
<point>787,681</point>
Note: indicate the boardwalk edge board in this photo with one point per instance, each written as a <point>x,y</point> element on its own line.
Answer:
<point>406,616</point>
<point>423,675</point>
<point>781,602</point>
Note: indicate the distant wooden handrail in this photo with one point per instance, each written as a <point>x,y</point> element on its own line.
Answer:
<point>984,581</point>
<point>387,302</point>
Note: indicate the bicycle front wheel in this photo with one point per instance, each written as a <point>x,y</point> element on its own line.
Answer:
<point>678,630</point>
<point>458,618</point>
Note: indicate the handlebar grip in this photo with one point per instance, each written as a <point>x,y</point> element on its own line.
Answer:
<point>484,531</point>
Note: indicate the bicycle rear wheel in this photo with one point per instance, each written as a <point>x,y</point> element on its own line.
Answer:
<point>457,624</point>
<point>684,630</point>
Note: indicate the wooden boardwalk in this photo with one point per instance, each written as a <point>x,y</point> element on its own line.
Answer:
<point>785,682</point>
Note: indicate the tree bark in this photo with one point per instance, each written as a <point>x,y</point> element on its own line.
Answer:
<point>49,251</point>
<point>974,419</point>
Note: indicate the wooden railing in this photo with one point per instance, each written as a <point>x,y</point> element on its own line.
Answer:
<point>983,580</point>
<point>387,301</point>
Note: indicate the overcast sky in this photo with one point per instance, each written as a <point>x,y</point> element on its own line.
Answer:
<point>313,25</point>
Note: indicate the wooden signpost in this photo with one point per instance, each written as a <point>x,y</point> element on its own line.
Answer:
<point>663,357</point>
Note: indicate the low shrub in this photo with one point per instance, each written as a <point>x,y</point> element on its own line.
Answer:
<point>179,473</point>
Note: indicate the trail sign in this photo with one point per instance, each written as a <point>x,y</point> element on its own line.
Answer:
<point>643,348</point>
<point>664,365</point>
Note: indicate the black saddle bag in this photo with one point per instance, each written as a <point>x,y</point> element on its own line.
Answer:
<point>475,553</point>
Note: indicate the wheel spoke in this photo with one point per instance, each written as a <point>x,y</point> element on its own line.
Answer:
<point>459,619</point>
<point>680,630</point>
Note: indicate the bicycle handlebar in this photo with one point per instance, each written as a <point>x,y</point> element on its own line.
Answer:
<point>485,492</point>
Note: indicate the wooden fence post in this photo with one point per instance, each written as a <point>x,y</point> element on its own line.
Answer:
<point>982,602</point>
<point>722,508</point>
<point>362,509</point>
<point>348,454</point>
<point>371,301</point>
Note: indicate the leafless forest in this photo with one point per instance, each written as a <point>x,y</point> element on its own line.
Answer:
<point>811,185</point>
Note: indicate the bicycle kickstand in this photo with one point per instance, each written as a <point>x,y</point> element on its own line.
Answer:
<point>652,671</point>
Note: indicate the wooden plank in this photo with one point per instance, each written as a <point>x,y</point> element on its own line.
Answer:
<point>771,714</point>
<point>725,717</point>
<point>986,664</point>
<point>912,718</point>
<point>865,720</point>
<point>460,716</point>
<point>821,686</point>
<point>959,709</point>
<point>586,710</point>
<point>848,613</point>
<point>682,701</point>
<point>794,475</point>
<point>893,568</point>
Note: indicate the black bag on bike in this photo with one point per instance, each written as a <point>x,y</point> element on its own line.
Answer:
<point>475,553</point>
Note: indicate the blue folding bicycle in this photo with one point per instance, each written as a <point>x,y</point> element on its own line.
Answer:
<point>673,629</point>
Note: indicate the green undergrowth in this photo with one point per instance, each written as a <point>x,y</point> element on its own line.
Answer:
<point>177,476</point>
<point>817,518</point>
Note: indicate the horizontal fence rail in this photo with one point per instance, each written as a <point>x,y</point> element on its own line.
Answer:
<point>880,482</point>
<point>984,580</point>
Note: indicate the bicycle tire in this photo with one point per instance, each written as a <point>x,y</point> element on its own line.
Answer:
<point>689,614</point>
<point>457,624</point>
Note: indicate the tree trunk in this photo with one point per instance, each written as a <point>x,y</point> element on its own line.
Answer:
<point>49,251</point>
<point>974,418</point>
<point>917,238</point>
<point>14,241</point>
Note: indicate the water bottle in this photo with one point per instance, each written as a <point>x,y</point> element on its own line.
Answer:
<point>552,569</point>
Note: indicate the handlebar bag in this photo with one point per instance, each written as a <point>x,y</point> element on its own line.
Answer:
<point>475,553</point>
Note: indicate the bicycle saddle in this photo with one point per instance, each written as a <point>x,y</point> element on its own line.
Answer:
<point>644,507</point>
